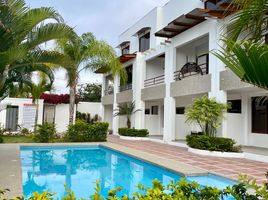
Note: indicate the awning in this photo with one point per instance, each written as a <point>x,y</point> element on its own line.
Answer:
<point>182,23</point>
<point>218,9</point>
<point>126,57</point>
<point>125,43</point>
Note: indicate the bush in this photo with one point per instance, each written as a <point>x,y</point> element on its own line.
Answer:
<point>2,131</point>
<point>133,132</point>
<point>84,132</point>
<point>45,132</point>
<point>212,143</point>
<point>24,131</point>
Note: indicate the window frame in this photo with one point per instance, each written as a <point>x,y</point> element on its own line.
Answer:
<point>153,109</point>
<point>141,37</point>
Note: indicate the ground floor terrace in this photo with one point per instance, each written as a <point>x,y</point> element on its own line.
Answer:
<point>167,156</point>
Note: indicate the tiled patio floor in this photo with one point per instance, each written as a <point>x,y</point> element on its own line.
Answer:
<point>228,167</point>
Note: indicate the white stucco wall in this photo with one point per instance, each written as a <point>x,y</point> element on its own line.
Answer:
<point>62,117</point>
<point>235,127</point>
<point>182,129</point>
<point>20,103</point>
<point>89,107</point>
<point>155,67</point>
<point>108,115</point>
<point>154,123</point>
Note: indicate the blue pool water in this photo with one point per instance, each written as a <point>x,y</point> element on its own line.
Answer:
<point>49,168</point>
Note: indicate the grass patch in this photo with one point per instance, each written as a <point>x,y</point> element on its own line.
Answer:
<point>27,139</point>
<point>18,139</point>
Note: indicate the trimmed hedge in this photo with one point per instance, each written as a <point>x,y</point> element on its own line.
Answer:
<point>84,132</point>
<point>133,132</point>
<point>205,142</point>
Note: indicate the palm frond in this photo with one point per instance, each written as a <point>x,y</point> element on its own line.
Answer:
<point>248,60</point>
<point>250,22</point>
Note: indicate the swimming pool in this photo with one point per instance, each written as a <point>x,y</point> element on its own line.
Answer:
<point>49,168</point>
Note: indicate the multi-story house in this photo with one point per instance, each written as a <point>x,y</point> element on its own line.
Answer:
<point>167,57</point>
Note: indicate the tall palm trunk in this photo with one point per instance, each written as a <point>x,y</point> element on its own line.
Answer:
<point>128,122</point>
<point>72,103</point>
<point>36,114</point>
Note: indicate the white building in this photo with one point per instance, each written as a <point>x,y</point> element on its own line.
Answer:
<point>155,50</point>
<point>20,112</point>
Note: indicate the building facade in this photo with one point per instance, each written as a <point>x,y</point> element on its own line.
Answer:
<point>167,55</point>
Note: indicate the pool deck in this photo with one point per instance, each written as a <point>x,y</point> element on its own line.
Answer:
<point>170,157</point>
<point>228,167</point>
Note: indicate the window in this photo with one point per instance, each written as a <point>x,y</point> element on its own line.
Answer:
<point>125,50</point>
<point>144,42</point>
<point>235,106</point>
<point>154,110</point>
<point>180,110</point>
<point>259,106</point>
<point>147,111</point>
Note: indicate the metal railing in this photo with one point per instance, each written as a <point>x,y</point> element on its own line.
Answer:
<point>154,81</point>
<point>204,70</point>
<point>125,87</point>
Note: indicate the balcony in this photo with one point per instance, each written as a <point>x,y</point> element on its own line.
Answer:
<point>154,81</point>
<point>125,94</point>
<point>200,67</point>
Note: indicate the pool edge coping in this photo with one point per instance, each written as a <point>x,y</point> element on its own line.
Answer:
<point>165,163</point>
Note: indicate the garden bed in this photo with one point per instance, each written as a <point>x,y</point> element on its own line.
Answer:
<point>216,153</point>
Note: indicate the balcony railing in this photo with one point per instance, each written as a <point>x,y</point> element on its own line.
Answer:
<point>190,69</point>
<point>109,91</point>
<point>154,81</point>
<point>193,68</point>
<point>125,87</point>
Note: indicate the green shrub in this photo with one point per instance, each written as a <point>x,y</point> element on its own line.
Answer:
<point>45,132</point>
<point>133,132</point>
<point>84,132</point>
<point>212,143</point>
<point>24,131</point>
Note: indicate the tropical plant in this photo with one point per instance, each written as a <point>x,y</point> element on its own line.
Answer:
<point>207,113</point>
<point>126,109</point>
<point>249,22</point>
<point>36,90</point>
<point>248,60</point>
<point>246,189</point>
<point>22,33</point>
<point>45,132</point>
<point>87,53</point>
<point>244,50</point>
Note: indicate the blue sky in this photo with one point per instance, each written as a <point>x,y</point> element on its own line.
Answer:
<point>105,18</point>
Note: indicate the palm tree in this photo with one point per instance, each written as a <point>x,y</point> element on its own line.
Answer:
<point>87,53</point>
<point>127,110</point>
<point>22,32</point>
<point>245,52</point>
<point>36,90</point>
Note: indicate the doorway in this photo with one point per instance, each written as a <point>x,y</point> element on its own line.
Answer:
<point>12,115</point>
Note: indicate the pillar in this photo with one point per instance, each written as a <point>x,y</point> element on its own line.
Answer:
<point>115,105</point>
<point>138,82</point>
<point>169,102</point>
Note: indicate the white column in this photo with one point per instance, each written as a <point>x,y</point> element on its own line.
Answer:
<point>215,67</point>
<point>246,106</point>
<point>115,105</point>
<point>138,80</point>
<point>169,102</point>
